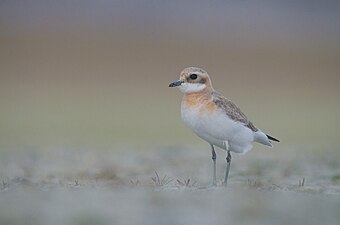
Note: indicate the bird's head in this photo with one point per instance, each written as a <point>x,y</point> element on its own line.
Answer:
<point>192,79</point>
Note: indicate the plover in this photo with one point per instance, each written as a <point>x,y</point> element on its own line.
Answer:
<point>216,119</point>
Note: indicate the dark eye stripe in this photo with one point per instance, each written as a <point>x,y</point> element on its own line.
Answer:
<point>193,76</point>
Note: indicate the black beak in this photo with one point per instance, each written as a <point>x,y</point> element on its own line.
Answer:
<point>176,83</point>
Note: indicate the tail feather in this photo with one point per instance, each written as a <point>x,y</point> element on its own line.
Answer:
<point>262,138</point>
<point>272,138</point>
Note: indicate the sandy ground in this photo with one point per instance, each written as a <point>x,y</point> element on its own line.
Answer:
<point>82,186</point>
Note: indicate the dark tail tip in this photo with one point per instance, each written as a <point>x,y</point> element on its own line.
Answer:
<point>272,138</point>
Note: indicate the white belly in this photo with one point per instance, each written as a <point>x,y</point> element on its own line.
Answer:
<point>217,128</point>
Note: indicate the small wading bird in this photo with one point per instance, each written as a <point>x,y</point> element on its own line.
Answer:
<point>216,119</point>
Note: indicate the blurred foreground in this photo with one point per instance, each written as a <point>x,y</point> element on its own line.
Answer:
<point>267,186</point>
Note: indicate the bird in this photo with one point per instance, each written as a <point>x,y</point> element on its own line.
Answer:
<point>216,119</point>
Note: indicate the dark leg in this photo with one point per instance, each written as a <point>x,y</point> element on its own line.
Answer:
<point>213,156</point>
<point>227,169</point>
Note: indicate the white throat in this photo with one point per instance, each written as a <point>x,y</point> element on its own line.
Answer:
<point>191,87</point>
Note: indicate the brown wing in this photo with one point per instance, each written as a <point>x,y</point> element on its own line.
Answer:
<point>232,110</point>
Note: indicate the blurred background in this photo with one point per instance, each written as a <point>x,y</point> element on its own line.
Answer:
<point>84,72</point>
<point>84,84</point>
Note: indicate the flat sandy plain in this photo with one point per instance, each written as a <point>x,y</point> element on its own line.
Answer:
<point>69,186</point>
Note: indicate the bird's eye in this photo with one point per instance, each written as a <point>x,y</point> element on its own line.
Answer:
<point>193,76</point>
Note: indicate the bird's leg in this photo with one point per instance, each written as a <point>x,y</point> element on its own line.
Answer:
<point>213,156</point>
<point>228,158</point>
<point>228,168</point>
